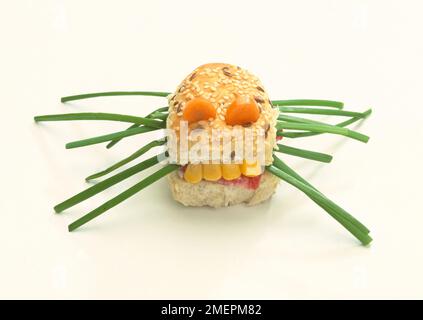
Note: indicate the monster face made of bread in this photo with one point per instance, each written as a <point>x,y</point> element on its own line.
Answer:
<point>221,137</point>
<point>222,96</point>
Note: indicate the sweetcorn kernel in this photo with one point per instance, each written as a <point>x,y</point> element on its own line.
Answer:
<point>231,171</point>
<point>193,173</point>
<point>212,172</point>
<point>251,169</point>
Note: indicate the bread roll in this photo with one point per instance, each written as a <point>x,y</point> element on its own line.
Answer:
<point>220,84</point>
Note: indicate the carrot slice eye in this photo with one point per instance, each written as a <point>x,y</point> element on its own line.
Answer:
<point>242,111</point>
<point>198,109</point>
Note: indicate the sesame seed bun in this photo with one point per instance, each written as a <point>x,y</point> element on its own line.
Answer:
<point>220,84</point>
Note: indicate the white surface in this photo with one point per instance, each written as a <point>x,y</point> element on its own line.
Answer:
<point>366,53</point>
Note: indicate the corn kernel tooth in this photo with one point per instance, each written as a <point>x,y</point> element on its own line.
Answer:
<point>231,171</point>
<point>212,172</point>
<point>193,173</point>
<point>251,169</point>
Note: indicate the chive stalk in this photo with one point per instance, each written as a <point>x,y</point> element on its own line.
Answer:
<point>162,109</point>
<point>320,111</point>
<point>101,116</point>
<point>123,196</point>
<point>307,154</point>
<point>132,157</point>
<point>324,203</point>
<point>277,162</point>
<point>114,93</point>
<point>309,102</point>
<point>160,115</point>
<point>309,134</point>
<point>107,183</point>
<point>113,142</point>
<point>323,129</point>
<point>283,117</point>
<point>109,137</point>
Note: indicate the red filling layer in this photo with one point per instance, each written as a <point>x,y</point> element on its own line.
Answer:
<point>243,181</point>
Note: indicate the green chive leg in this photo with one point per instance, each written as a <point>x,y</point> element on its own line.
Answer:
<point>277,162</point>
<point>340,124</point>
<point>123,196</point>
<point>323,129</point>
<point>109,137</point>
<point>324,203</point>
<point>307,154</point>
<point>114,93</point>
<point>132,157</point>
<point>101,116</point>
<point>107,183</point>
<point>320,111</point>
<point>309,102</point>
<point>113,142</point>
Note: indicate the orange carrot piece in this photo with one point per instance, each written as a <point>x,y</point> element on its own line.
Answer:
<point>242,111</point>
<point>198,109</point>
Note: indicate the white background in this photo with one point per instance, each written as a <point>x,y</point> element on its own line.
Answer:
<point>365,53</point>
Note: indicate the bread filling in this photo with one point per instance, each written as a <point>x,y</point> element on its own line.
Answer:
<point>243,175</point>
